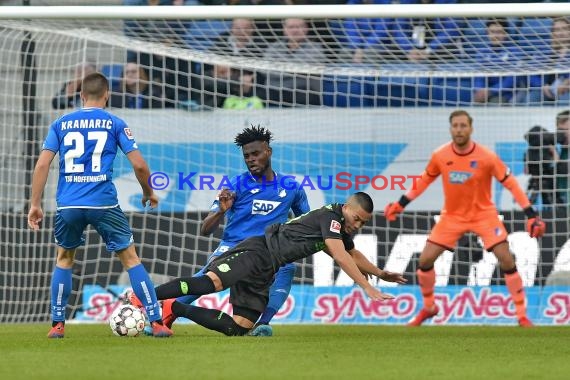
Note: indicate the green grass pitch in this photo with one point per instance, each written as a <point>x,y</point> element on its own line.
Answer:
<point>294,352</point>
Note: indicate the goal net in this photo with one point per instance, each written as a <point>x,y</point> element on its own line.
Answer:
<point>357,98</point>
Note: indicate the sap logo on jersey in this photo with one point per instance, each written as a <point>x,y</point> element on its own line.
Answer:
<point>459,177</point>
<point>263,207</point>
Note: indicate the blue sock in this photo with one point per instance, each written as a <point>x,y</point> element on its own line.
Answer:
<point>278,292</point>
<point>144,289</point>
<point>191,298</point>
<point>60,290</point>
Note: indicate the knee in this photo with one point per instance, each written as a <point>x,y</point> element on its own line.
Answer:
<point>129,257</point>
<point>65,258</point>
<point>425,262</point>
<point>216,280</point>
<point>507,262</point>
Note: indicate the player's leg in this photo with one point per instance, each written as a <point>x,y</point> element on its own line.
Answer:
<point>114,228</point>
<point>217,320</point>
<point>278,294</point>
<point>444,236</point>
<point>188,299</point>
<point>221,273</point>
<point>68,232</point>
<point>61,283</point>
<point>426,280</point>
<point>513,281</point>
<point>198,286</point>
<point>209,283</point>
<point>249,275</point>
<point>168,316</point>
<point>494,236</point>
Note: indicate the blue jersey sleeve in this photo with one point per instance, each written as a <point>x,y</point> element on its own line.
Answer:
<point>124,135</point>
<point>300,205</point>
<point>52,139</point>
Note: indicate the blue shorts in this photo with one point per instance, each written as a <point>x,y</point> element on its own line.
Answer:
<point>110,223</point>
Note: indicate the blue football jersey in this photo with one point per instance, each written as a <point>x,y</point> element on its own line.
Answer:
<point>258,205</point>
<point>87,141</point>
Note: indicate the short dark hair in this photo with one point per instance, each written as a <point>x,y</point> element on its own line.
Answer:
<point>461,113</point>
<point>253,133</point>
<point>94,85</point>
<point>364,201</point>
<point>561,117</point>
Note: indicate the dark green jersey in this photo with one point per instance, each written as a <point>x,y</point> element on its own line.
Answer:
<point>306,234</point>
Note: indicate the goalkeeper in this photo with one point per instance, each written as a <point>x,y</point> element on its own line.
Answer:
<point>249,267</point>
<point>467,169</point>
<point>258,198</point>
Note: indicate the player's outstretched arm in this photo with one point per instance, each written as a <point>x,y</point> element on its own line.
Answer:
<point>142,173</point>
<point>365,266</point>
<point>39,179</point>
<point>211,222</point>
<point>335,248</point>
<point>421,183</point>
<point>535,225</point>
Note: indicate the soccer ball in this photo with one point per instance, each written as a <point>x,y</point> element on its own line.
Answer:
<point>127,320</point>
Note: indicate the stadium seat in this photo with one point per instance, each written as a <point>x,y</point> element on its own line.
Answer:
<point>534,35</point>
<point>348,91</point>
<point>200,34</point>
<point>451,91</point>
<point>113,72</point>
<point>402,91</point>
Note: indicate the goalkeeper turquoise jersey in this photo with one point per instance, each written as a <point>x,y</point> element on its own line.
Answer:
<point>87,141</point>
<point>260,204</point>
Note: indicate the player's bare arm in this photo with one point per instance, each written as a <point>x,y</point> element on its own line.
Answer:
<point>39,179</point>
<point>367,267</point>
<point>335,248</point>
<point>226,199</point>
<point>142,173</point>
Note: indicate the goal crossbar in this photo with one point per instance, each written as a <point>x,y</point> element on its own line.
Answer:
<point>285,11</point>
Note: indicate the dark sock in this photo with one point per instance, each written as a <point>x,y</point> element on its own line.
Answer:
<point>54,323</point>
<point>196,286</point>
<point>209,318</point>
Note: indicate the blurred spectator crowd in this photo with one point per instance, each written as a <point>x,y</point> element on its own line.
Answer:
<point>519,61</point>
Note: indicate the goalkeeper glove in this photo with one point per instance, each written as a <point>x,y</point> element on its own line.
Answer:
<point>392,210</point>
<point>534,225</point>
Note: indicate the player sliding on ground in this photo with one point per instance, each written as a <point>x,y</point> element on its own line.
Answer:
<point>257,199</point>
<point>467,169</point>
<point>249,267</point>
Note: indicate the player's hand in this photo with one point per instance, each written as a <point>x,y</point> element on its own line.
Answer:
<point>366,275</point>
<point>35,216</point>
<point>393,277</point>
<point>226,199</point>
<point>376,294</point>
<point>392,210</point>
<point>535,227</point>
<point>151,200</point>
